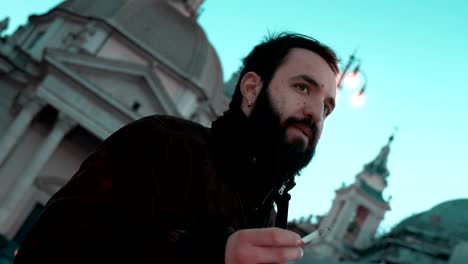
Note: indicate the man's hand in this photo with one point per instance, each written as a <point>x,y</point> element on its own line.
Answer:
<point>265,245</point>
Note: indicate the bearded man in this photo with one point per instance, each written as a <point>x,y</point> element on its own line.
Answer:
<point>167,190</point>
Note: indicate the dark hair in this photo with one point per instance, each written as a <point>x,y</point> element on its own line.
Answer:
<point>266,57</point>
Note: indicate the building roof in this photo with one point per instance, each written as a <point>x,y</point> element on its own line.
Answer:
<point>379,164</point>
<point>163,31</point>
<point>448,219</point>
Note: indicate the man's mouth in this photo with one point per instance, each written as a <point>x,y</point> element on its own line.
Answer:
<point>305,130</point>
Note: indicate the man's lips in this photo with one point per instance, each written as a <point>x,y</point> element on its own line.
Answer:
<point>305,130</point>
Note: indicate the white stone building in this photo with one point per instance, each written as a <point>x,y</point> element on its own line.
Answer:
<point>436,236</point>
<point>72,76</point>
<point>356,212</point>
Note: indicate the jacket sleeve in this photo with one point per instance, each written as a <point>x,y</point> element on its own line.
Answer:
<point>112,210</point>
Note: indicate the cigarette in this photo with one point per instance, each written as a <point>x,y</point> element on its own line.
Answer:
<point>314,235</point>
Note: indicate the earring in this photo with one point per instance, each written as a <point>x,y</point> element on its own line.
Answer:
<point>249,104</point>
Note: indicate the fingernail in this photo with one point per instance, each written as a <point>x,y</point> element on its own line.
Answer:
<point>300,242</point>
<point>302,252</point>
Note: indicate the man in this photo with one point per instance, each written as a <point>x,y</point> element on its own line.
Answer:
<point>165,190</point>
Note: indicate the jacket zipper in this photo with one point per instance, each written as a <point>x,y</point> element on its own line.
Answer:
<point>283,187</point>
<point>280,192</point>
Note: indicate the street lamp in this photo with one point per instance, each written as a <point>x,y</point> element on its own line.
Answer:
<point>352,80</point>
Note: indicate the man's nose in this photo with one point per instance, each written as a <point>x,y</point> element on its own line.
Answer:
<point>314,112</point>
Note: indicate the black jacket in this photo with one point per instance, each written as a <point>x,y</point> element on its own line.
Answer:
<point>159,190</point>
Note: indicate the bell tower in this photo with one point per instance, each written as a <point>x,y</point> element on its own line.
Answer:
<point>357,209</point>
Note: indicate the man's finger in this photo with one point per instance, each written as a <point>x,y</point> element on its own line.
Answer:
<point>278,254</point>
<point>273,237</point>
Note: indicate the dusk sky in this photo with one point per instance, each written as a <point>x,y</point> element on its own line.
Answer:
<point>414,54</point>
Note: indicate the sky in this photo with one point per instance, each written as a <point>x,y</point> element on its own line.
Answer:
<point>414,54</point>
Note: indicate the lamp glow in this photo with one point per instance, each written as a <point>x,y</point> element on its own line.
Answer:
<point>351,80</point>
<point>357,100</point>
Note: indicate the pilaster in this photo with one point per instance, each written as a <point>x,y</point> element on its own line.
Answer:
<point>24,182</point>
<point>17,128</point>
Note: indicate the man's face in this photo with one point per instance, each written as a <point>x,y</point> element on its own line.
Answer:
<point>292,110</point>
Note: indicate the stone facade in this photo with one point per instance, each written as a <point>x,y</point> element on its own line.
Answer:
<point>72,76</point>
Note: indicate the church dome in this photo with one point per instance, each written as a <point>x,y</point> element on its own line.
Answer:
<point>161,30</point>
<point>448,218</point>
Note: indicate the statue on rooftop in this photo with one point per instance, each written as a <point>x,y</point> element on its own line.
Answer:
<point>4,24</point>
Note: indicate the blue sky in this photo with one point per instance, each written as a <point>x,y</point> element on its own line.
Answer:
<point>414,54</point>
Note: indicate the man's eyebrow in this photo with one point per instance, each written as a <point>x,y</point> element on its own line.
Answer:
<point>309,80</point>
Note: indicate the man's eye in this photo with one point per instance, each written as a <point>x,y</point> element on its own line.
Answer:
<point>303,88</point>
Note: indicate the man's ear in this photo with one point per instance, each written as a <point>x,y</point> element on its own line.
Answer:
<point>250,87</point>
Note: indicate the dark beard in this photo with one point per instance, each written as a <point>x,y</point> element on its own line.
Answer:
<point>270,134</point>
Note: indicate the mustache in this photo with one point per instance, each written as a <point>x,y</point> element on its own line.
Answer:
<point>296,121</point>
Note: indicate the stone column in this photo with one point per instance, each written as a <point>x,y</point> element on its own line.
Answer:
<point>367,231</point>
<point>17,128</point>
<point>332,214</point>
<point>22,184</point>
<point>339,229</point>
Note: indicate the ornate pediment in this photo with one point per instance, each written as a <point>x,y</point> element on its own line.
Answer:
<point>130,87</point>
<point>102,95</point>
